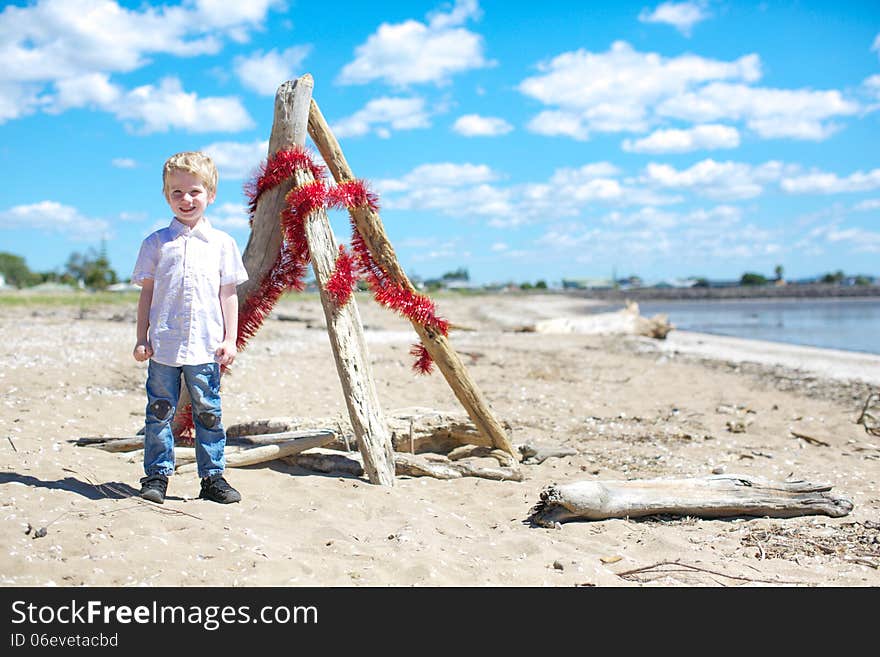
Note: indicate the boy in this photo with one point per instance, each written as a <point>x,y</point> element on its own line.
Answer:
<point>187,325</point>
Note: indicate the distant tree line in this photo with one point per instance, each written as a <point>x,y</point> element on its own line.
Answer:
<point>90,269</point>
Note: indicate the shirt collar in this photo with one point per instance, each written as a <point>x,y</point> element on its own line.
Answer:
<point>202,230</point>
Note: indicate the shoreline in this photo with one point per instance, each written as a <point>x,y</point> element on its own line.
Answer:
<point>811,291</point>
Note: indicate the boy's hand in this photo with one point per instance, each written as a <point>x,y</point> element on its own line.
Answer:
<point>142,351</point>
<point>226,353</point>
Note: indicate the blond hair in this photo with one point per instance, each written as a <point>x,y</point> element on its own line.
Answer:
<point>193,162</point>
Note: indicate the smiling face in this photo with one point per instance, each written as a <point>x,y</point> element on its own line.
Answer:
<point>187,196</point>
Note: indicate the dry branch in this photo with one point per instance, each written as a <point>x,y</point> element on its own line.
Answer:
<point>412,465</point>
<point>707,497</point>
<point>132,443</point>
<point>412,429</point>
<point>265,453</point>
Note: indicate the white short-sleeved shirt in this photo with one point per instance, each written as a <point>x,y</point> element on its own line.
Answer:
<point>187,266</point>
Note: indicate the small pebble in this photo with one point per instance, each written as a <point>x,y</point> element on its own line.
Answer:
<point>718,469</point>
<point>558,565</point>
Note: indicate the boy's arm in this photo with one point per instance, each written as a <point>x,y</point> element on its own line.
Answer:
<point>227,351</point>
<point>143,350</point>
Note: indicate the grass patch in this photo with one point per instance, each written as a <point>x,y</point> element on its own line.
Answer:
<point>26,299</point>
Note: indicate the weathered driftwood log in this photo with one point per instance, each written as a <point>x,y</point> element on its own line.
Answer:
<point>534,454</point>
<point>706,497</point>
<point>114,444</point>
<point>412,465</point>
<point>265,453</point>
<point>182,455</point>
<point>626,321</point>
<point>412,429</point>
<point>344,325</point>
<point>369,225</point>
<point>131,443</point>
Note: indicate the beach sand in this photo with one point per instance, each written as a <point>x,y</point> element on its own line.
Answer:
<point>631,407</point>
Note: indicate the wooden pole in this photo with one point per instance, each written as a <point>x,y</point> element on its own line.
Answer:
<point>343,324</point>
<point>369,225</point>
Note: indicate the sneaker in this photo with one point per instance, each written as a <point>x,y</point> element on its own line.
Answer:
<point>153,488</point>
<point>217,489</point>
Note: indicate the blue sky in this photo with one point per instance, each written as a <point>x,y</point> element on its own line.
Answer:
<point>520,140</point>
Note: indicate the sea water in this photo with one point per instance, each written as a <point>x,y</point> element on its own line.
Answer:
<point>851,324</point>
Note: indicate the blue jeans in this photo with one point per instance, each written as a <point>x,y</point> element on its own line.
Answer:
<point>163,392</point>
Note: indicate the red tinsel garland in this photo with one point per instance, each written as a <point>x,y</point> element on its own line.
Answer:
<point>342,282</point>
<point>290,266</point>
<point>424,363</point>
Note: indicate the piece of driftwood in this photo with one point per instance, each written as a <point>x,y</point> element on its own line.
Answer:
<point>870,415</point>
<point>112,444</point>
<point>412,465</point>
<point>415,429</point>
<point>131,443</point>
<point>344,325</point>
<point>534,454</point>
<point>625,321</point>
<point>263,453</point>
<point>727,495</point>
<point>369,226</point>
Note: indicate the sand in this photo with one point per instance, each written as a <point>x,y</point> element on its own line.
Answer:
<point>631,407</point>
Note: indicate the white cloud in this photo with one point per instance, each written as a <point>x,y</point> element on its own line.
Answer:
<point>229,216</point>
<point>168,106</point>
<point>264,73</point>
<point>444,174</point>
<point>795,113</point>
<point>876,44</point>
<point>123,163</point>
<point>90,90</point>
<point>413,52</point>
<point>623,90</point>
<point>868,205</point>
<point>380,114</point>
<point>717,180</point>
<point>681,15</point>
<point>152,108</point>
<point>819,182</point>
<point>616,91</point>
<point>871,87</point>
<point>236,160</point>
<point>661,235</point>
<point>860,239</point>
<point>499,247</point>
<point>720,216</point>
<point>77,43</point>
<point>54,217</point>
<point>469,190</point>
<point>18,100</point>
<point>474,125</point>
<point>461,12</point>
<point>700,137</point>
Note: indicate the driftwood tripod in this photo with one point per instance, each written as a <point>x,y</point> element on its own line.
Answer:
<point>296,114</point>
